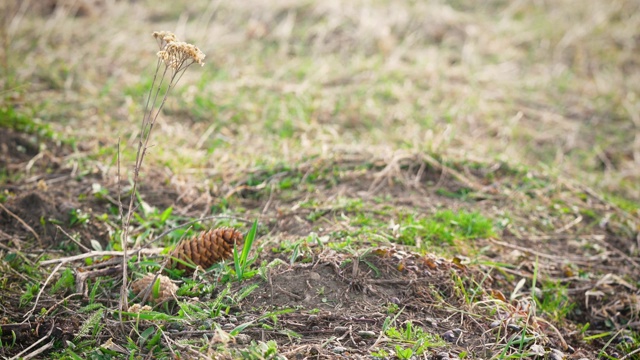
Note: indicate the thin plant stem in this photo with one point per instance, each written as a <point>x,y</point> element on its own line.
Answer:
<point>155,76</point>
<point>142,147</point>
<point>175,55</point>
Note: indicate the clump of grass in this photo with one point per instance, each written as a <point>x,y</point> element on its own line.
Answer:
<point>65,283</point>
<point>13,119</point>
<point>409,340</point>
<point>443,228</point>
<point>554,302</point>
<point>29,294</point>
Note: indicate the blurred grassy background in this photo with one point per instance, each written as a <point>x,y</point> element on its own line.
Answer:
<point>550,84</point>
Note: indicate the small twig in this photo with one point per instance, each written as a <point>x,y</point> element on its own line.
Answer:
<point>16,242</point>
<point>266,206</point>
<point>98,253</point>
<point>573,223</point>
<point>630,354</point>
<point>18,355</point>
<point>23,224</point>
<point>297,350</point>
<point>59,302</point>
<point>385,174</point>
<point>33,161</point>
<point>297,297</point>
<point>39,351</point>
<point>101,264</point>
<point>26,316</point>
<point>463,179</point>
<point>619,252</point>
<point>81,278</point>
<point>602,199</point>
<point>169,344</point>
<point>72,239</point>
<point>527,250</point>
<point>20,275</point>
<point>419,174</point>
<point>17,252</point>
<point>564,343</point>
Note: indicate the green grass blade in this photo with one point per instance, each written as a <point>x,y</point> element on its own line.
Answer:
<point>236,263</point>
<point>248,242</point>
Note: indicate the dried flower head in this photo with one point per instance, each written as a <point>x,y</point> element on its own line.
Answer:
<point>164,37</point>
<point>137,308</point>
<point>177,54</point>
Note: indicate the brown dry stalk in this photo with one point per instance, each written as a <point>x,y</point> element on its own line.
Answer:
<point>176,56</point>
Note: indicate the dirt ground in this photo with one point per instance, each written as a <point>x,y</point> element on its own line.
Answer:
<point>334,301</point>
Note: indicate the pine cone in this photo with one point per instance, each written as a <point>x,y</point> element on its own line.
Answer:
<point>207,248</point>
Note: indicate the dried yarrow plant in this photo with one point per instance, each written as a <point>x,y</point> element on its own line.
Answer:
<point>174,57</point>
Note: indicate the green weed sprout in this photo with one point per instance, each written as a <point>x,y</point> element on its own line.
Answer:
<point>240,260</point>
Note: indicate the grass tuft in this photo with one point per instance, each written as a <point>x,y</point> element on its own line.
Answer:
<point>445,227</point>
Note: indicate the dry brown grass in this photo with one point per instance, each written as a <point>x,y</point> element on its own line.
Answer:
<point>551,84</point>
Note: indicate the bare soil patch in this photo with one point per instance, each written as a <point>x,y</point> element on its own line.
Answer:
<point>349,303</point>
